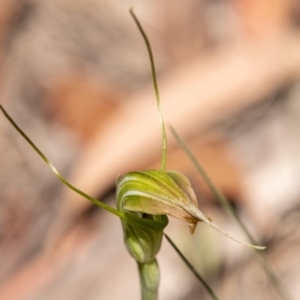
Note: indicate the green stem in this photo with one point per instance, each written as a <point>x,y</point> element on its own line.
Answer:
<point>154,80</point>
<point>149,278</point>
<point>226,205</point>
<point>193,270</point>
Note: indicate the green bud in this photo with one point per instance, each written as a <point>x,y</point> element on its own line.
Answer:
<point>157,192</point>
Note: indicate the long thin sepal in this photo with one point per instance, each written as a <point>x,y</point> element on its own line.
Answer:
<point>124,216</point>
<point>214,189</point>
<point>161,118</point>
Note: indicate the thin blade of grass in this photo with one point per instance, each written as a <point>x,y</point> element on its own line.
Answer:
<point>273,277</point>
<point>209,290</point>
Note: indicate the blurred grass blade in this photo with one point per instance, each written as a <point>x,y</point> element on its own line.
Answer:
<point>276,282</point>
<point>192,269</point>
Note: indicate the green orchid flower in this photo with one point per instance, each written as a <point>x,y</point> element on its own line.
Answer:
<point>144,200</point>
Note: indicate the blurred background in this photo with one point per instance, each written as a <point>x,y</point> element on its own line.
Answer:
<point>75,75</point>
